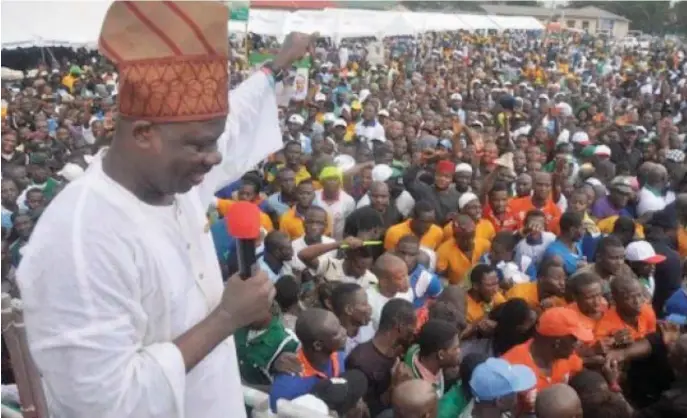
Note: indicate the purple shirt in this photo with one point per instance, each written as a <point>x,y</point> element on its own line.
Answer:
<point>602,209</point>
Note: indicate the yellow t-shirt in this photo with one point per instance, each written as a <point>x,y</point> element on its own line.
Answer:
<point>476,310</point>
<point>431,239</point>
<point>452,262</point>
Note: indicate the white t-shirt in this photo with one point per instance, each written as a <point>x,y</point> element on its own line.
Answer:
<point>338,211</point>
<point>331,270</point>
<point>299,244</point>
<point>650,201</point>
<point>377,302</point>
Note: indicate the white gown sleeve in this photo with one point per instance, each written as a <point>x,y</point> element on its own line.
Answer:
<point>252,133</point>
<point>85,324</point>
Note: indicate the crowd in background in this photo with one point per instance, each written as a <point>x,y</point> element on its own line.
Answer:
<point>478,225</point>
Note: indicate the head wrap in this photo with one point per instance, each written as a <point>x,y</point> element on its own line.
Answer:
<point>446,167</point>
<point>331,172</point>
<point>172,59</point>
<point>466,198</point>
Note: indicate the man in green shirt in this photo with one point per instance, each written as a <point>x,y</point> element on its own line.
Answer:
<point>259,346</point>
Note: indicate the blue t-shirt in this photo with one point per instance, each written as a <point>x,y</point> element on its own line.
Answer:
<point>286,386</point>
<point>570,259</point>
<point>425,285</point>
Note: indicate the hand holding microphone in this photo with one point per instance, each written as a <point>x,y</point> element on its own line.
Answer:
<point>248,294</point>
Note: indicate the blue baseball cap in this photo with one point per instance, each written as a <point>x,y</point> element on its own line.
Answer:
<point>496,378</point>
<point>677,319</point>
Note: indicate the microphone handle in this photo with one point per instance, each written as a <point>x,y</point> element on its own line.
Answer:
<point>246,257</point>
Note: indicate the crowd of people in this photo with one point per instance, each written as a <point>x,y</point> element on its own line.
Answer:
<point>482,226</point>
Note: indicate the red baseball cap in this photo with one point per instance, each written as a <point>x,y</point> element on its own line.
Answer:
<point>561,322</point>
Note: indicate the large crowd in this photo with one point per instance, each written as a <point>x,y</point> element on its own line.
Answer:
<point>483,225</point>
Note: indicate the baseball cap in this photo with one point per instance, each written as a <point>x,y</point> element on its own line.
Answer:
<point>383,112</point>
<point>496,378</point>
<point>560,322</point>
<point>342,393</point>
<point>644,252</point>
<point>381,172</point>
<point>319,97</point>
<point>581,138</point>
<point>602,150</point>
<point>298,119</point>
<point>311,403</point>
<point>621,184</point>
<point>356,105</point>
<point>340,122</point>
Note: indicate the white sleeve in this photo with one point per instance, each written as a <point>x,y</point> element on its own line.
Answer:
<point>85,325</point>
<point>252,133</point>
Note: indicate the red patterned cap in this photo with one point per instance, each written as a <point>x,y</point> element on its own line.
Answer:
<point>172,58</point>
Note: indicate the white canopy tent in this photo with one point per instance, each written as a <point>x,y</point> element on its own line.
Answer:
<point>77,23</point>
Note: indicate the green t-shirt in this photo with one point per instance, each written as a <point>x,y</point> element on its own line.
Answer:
<point>453,402</point>
<point>257,349</point>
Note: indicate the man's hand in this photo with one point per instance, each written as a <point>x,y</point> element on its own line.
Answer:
<point>295,46</point>
<point>400,372</point>
<point>486,326</point>
<point>352,243</point>
<point>610,370</point>
<point>622,338</point>
<point>670,332</point>
<point>247,301</point>
<point>547,303</point>
<point>287,363</point>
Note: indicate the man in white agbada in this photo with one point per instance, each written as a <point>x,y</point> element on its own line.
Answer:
<point>125,309</point>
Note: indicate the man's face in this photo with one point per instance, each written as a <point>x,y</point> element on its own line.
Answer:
<point>247,192</point>
<point>523,186</point>
<point>421,224</point>
<point>554,281</point>
<point>10,193</point>
<point>35,199</point>
<point>178,156</point>
<point>443,180</point>
<point>287,181</point>
<point>591,299</point>
<point>292,154</point>
<point>62,135</point>
<point>630,299</point>
<point>306,194</point>
<point>473,209</point>
<point>463,181</point>
<point>39,173</point>
<point>409,253</point>
<point>542,186</point>
<point>613,259</point>
<point>23,225</point>
<point>489,286</point>
<point>9,143</point>
<point>379,198</point>
<point>315,223</point>
<point>498,202</point>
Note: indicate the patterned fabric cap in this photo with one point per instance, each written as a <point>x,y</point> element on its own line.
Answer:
<point>172,58</point>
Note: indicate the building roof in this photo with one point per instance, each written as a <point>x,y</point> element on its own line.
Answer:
<point>589,12</point>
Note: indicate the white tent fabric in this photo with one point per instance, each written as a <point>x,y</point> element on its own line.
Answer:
<point>77,23</point>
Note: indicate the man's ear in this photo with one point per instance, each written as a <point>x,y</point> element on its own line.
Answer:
<point>144,135</point>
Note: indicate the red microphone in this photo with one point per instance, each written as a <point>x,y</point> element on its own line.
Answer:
<point>243,223</point>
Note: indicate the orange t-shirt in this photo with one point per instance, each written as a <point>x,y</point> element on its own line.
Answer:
<point>476,310</point>
<point>529,292</point>
<point>561,370</point>
<point>682,241</point>
<point>454,263</point>
<point>431,239</point>
<point>611,322</point>
<point>521,205</point>
<point>509,222</point>
<point>484,229</point>
<point>587,322</point>
<point>292,224</point>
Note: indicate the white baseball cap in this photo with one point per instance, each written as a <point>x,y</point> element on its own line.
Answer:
<point>340,122</point>
<point>297,119</point>
<point>319,97</point>
<point>603,150</point>
<point>466,198</point>
<point>381,172</point>
<point>644,252</point>
<point>581,138</point>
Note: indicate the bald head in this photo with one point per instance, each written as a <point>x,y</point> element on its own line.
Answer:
<point>541,176</point>
<point>624,284</point>
<point>379,187</point>
<point>315,324</point>
<point>387,264</point>
<point>414,399</point>
<point>558,401</point>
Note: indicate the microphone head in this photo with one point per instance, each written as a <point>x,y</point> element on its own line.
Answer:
<point>243,220</point>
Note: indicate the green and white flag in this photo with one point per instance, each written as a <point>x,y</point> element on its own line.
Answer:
<point>239,10</point>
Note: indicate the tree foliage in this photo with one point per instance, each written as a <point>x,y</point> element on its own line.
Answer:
<point>653,17</point>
